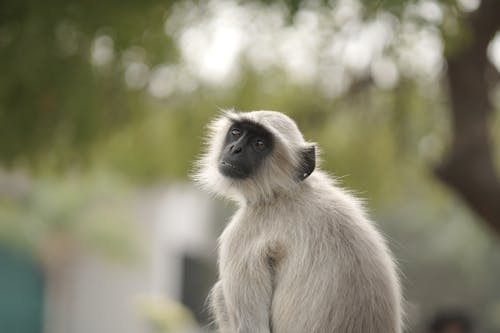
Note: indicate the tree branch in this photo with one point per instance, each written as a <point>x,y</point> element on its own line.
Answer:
<point>469,168</point>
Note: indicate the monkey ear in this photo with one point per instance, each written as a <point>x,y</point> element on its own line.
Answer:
<point>307,162</point>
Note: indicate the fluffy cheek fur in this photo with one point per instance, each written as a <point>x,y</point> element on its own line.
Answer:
<point>277,173</point>
<point>207,173</point>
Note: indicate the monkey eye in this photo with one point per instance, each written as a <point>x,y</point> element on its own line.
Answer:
<point>235,132</point>
<point>260,144</point>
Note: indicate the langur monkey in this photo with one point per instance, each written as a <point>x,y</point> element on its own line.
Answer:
<point>300,254</point>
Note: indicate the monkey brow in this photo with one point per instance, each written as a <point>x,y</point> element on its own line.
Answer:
<point>252,125</point>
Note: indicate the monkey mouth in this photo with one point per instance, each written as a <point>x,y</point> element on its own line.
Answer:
<point>232,170</point>
<point>228,164</point>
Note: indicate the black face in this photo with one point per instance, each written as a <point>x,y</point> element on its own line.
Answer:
<point>245,147</point>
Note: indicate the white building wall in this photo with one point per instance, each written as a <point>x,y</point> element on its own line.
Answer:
<point>95,295</point>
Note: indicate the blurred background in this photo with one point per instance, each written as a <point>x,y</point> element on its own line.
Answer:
<point>103,107</point>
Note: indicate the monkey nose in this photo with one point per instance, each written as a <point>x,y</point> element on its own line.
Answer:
<point>236,150</point>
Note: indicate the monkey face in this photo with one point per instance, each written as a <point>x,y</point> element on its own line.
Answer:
<point>245,147</point>
<point>252,156</point>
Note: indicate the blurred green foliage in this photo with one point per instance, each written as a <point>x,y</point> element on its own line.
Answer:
<point>166,316</point>
<point>53,216</point>
<point>52,101</point>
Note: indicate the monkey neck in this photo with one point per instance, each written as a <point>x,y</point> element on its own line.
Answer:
<point>290,195</point>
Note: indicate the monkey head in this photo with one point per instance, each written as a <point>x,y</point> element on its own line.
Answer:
<point>254,156</point>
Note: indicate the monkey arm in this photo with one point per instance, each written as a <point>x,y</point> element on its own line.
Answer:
<point>248,288</point>
<point>219,309</point>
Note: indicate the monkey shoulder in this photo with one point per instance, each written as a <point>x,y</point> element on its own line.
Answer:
<point>339,218</point>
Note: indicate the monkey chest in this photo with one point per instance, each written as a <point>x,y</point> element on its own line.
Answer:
<point>242,250</point>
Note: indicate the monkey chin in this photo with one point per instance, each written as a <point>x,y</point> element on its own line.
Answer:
<point>232,170</point>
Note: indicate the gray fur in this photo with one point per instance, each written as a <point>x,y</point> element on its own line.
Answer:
<point>298,256</point>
